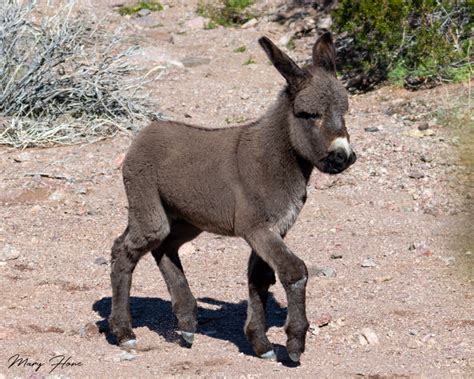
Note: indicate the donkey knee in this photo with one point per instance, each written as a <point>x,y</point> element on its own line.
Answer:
<point>147,239</point>
<point>295,274</point>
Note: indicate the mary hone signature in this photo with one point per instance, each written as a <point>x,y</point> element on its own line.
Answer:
<point>58,361</point>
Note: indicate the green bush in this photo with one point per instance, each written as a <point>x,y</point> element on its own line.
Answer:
<point>152,5</point>
<point>225,12</point>
<point>411,42</point>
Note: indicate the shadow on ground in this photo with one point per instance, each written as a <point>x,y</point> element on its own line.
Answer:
<point>224,321</point>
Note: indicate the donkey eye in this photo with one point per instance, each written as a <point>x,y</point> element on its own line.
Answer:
<point>308,116</point>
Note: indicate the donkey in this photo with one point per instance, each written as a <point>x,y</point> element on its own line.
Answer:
<point>247,181</point>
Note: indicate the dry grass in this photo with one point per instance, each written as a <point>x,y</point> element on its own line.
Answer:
<point>64,80</point>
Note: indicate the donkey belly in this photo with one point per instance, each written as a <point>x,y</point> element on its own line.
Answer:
<point>203,203</point>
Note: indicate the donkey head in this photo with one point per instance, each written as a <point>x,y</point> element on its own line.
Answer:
<point>318,104</point>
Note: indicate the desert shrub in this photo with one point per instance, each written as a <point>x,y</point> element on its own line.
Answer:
<point>151,5</point>
<point>225,12</point>
<point>414,43</point>
<point>63,79</point>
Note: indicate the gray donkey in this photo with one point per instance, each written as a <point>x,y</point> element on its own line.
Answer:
<point>247,181</point>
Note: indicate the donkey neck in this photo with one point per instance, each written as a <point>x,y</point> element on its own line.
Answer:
<point>268,149</point>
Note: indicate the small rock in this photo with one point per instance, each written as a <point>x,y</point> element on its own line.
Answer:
<point>414,174</point>
<point>143,12</point>
<point>423,126</point>
<point>326,272</point>
<point>124,356</point>
<point>414,133</point>
<point>314,330</point>
<point>324,22</point>
<point>372,129</point>
<point>324,320</point>
<point>448,260</point>
<point>250,24</point>
<point>429,339</point>
<point>9,253</point>
<point>336,256</point>
<point>101,261</point>
<point>426,158</point>
<point>283,41</point>
<point>468,253</point>
<point>194,61</point>
<point>368,262</point>
<point>81,190</point>
<point>197,23</point>
<point>370,336</point>
<point>56,196</point>
<point>412,344</point>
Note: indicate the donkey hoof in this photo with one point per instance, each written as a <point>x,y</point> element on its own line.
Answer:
<point>129,345</point>
<point>188,337</point>
<point>269,356</point>
<point>295,357</point>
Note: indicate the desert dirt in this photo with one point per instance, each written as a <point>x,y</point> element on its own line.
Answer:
<point>390,293</point>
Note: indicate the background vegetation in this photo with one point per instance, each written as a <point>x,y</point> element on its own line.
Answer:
<point>414,43</point>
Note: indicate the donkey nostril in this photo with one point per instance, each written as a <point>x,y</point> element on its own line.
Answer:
<point>340,157</point>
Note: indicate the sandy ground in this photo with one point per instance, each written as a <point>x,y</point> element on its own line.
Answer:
<point>401,211</point>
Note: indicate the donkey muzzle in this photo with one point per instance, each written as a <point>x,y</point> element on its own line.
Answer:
<point>338,160</point>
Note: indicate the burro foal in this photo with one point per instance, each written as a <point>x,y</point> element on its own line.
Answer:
<point>247,181</point>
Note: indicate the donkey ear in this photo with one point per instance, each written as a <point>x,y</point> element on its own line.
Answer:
<point>282,62</point>
<point>324,53</point>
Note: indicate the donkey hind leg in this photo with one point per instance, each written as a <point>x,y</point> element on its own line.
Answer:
<point>293,274</point>
<point>260,278</point>
<point>147,227</point>
<point>182,300</point>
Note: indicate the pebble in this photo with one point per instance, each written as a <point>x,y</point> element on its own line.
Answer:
<point>324,320</point>
<point>448,260</point>
<point>314,330</point>
<point>371,129</point>
<point>415,174</point>
<point>124,356</point>
<point>194,61</point>
<point>81,190</point>
<point>283,41</point>
<point>370,336</point>
<point>426,158</point>
<point>250,24</point>
<point>101,261</point>
<point>326,272</point>
<point>423,126</point>
<point>9,253</point>
<point>56,196</point>
<point>368,262</point>
<point>336,256</point>
<point>143,12</point>
<point>412,344</point>
<point>324,22</point>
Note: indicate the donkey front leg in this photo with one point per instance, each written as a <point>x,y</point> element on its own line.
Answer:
<point>293,274</point>
<point>183,302</point>
<point>260,278</point>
